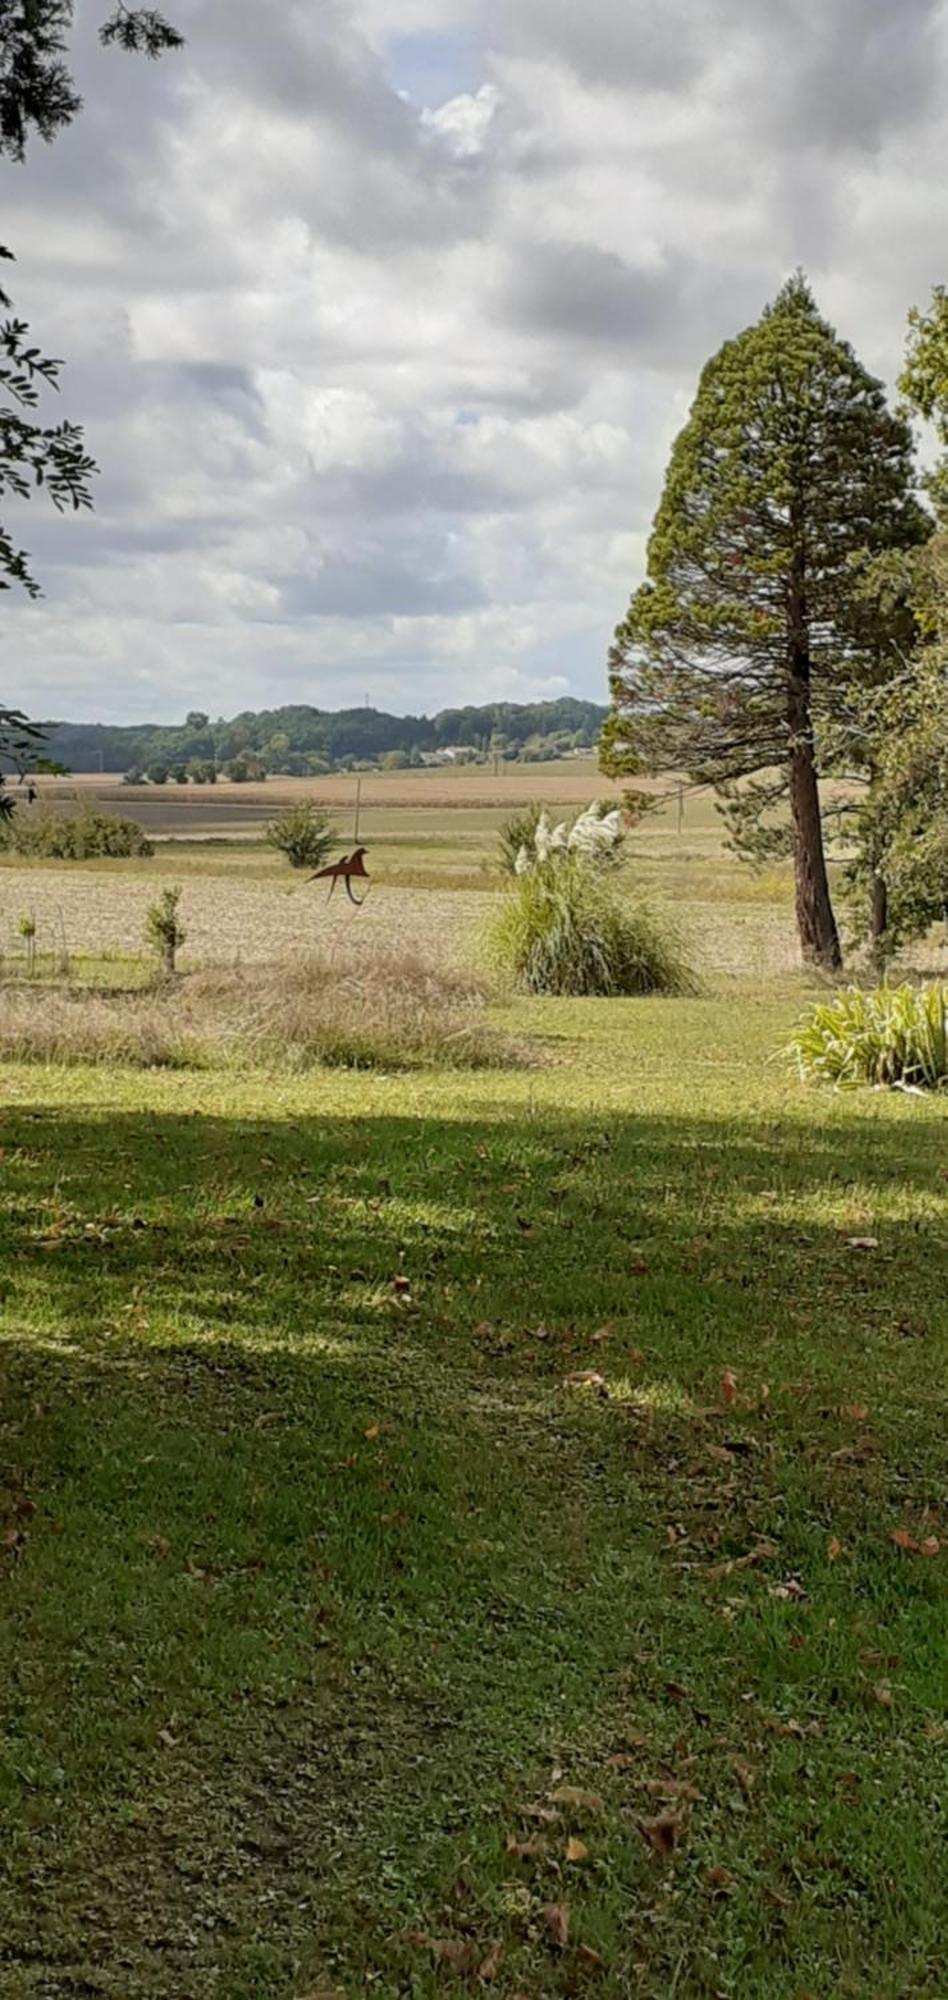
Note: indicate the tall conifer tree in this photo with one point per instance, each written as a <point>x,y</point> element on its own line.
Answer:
<point>738,651</point>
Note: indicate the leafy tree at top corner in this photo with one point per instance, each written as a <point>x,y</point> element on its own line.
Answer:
<point>739,652</point>
<point>902,822</point>
<point>38,98</point>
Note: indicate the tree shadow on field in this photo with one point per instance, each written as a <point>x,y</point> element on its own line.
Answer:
<point>298,1492</point>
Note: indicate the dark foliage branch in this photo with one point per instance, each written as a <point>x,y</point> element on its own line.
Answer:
<point>37,92</point>
<point>34,454</point>
<point>38,97</point>
<point>141,31</point>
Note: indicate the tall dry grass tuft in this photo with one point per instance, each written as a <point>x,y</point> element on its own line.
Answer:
<point>377,1011</point>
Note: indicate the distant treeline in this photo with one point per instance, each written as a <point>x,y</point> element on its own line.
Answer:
<point>302,741</point>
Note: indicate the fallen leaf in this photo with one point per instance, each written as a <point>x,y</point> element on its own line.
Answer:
<point>745,1774</point>
<point>903,1540</point>
<point>588,1378</point>
<point>931,1546</point>
<point>882,1692</point>
<point>483,1329</point>
<point>170,1742</point>
<point>621,1760</point>
<point>719,1881</point>
<point>834,1549</point>
<point>572,1796</point>
<point>263,1422</point>
<point>490,1966</point>
<point>863,1242</point>
<point>160,1546</point>
<point>460,1953</point>
<point>792,1728</point>
<point>576,1850</point>
<point>856,1412</point>
<point>675,1691</point>
<point>728,1387</point>
<point>672,1788</point>
<point>593,1960</point>
<point>548,1815</point>
<point>556,1918</point>
<point>662,1834</point>
<point>374,1431</point>
<point>527,1850</point>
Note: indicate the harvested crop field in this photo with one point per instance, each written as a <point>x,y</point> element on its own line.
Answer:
<point>100,912</point>
<point>225,808</point>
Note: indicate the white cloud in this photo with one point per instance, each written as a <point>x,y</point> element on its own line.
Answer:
<point>463,123</point>
<point>383,384</point>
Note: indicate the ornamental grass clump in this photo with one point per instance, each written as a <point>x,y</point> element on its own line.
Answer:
<point>563,927</point>
<point>895,1036</point>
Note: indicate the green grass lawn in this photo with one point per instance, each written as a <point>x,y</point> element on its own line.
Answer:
<point>380,1457</point>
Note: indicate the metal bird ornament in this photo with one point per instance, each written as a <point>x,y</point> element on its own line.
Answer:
<point>351,866</point>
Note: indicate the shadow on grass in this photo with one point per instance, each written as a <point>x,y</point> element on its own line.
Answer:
<point>315,1556</point>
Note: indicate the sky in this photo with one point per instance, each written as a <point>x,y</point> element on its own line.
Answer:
<point>381,317</point>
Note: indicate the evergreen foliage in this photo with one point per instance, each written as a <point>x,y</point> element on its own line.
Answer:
<point>738,652</point>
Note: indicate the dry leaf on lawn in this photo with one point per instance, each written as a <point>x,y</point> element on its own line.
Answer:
<point>745,1774</point>
<point>834,1549</point>
<point>903,1540</point>
<point>672,1788</point>
<point>527,1850</point>
<point>663,1833</point>
<point>572,1796</point>
<point>556,1918</point>
<point>592,1960</point>
<point>728,1387</point>
<point>576,1850</point>
<point>490,1966</point>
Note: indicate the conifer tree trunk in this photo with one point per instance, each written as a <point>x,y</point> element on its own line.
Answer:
<point>816,924</point>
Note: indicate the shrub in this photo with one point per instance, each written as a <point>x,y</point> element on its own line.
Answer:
<point>85,835</point>
<point>564,930</point>
<point>164,929</point>
<point>157,774</point>
<point>895,1035</point>
<point>304,834</point>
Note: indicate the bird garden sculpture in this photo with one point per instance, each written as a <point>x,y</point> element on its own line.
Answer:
<point>351,867</point>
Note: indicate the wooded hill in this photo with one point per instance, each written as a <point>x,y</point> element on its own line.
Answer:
<point>302,740</point>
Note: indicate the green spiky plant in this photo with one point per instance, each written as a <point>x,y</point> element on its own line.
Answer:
<point>895,1036</point>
